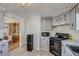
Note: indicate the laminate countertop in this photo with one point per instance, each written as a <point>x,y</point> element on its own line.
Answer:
<point>65,43</point>
<point>70,42</point>
<point>3,42</point>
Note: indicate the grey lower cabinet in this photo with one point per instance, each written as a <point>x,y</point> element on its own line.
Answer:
<point>44,43</point>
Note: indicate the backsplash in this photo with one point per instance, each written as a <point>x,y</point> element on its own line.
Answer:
<point>65,29</point>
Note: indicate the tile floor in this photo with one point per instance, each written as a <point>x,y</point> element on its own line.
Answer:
<point>38,53</point>
<point>24,52</point>
<point>18,52</point>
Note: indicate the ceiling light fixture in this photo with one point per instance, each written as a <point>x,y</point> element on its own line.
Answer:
<point>23,4</point>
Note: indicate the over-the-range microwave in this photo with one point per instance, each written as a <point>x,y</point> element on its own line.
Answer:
<point>45,34</point>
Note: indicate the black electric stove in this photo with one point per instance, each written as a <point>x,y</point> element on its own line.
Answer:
<point>55,46</point>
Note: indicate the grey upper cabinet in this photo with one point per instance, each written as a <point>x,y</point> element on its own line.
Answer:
<point>77,18</point>
<point>49,22</point>
<point>59,20</point>
<point>68,17</point>
<point>55,21</point>
<point>46,23</point>
<point>43,24</point>
<point>62,18</point>
<point>73,19</point>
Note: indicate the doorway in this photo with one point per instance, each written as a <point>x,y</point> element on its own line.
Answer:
<point>12,33</point>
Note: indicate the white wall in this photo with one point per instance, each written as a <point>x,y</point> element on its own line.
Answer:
<point>65,29</point>
<point>23,32</point>
<point>33,26</point>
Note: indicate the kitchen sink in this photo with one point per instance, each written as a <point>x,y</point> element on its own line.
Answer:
<point>74,49</point>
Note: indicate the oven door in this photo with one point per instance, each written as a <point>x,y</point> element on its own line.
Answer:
<point>55,47</point>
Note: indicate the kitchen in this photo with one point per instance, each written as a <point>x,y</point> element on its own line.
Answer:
<point>39,29</point>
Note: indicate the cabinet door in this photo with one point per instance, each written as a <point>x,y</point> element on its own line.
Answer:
<point>59,19</point>
<point>62,18</point>
<point>44,43</point>
<point>43,23</point>
<point>55,20</point>
<point>73,19</point>
<point>49,23</point>
<point>46,23</point>
<point>68,18</point>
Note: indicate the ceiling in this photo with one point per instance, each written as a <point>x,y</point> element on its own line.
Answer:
<point>43,9</point>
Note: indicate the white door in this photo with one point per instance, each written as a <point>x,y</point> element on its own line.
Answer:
<point>44,43</point>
